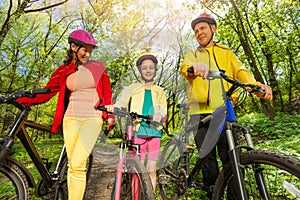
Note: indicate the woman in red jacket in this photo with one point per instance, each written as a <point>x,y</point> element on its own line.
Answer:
<point>80,83</point>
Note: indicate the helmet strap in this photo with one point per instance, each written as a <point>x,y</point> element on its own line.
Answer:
<point>211,38</point>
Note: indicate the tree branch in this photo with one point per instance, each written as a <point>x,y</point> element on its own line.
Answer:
<point>45,8</point>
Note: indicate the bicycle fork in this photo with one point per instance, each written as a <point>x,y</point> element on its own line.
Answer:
<point>235,161</point>
<point>234,154</point>
<point>120,171</point>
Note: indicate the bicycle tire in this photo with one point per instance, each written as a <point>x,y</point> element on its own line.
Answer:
<point>170,184</point>
<point>278,170</point>
<point>145,191</point>
<point>14,184</point>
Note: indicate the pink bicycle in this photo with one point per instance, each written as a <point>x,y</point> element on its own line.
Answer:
<point>132,181</point>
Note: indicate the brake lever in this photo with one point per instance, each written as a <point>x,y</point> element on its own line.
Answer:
<point>257,88</point>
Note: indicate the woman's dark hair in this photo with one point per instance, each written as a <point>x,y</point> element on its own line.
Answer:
<point>69,57</point>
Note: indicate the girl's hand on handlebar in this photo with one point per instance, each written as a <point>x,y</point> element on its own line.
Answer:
<point>157,117</point>
<point>268,94</point>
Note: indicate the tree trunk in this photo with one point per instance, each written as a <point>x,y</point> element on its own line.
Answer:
<point>267,107</point>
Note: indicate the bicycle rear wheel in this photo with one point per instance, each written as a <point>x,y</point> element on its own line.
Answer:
<point>281,174</point>
<point>136,183</point>
<point>13,183</point>
<point>170,174</point>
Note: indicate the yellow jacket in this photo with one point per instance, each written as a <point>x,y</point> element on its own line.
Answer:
<point>134,94</point>
<point>205,96</point>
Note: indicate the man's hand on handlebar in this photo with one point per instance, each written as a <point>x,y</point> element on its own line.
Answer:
<point>267,95</point>
<point>200,69</point>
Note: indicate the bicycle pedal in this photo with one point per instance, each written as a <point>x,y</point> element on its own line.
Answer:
<point>164,179</point>
<point>110,185</point>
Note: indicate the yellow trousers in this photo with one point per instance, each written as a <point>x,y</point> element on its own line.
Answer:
<point>80,136</point>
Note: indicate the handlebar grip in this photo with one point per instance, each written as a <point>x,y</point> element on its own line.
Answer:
<point>155,123</point>
<point>40,91</point>
<point>102,108</point>
<point>212,74</point>
<point>257,88</point>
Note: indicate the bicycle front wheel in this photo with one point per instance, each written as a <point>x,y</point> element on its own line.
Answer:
<point>13,183</point>
<point>278,173</point>
<point>172,181</point>
<point>136,183</point>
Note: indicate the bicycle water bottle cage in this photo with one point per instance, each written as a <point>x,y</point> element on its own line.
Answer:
<point>47,163</point>
<point>189,148</point>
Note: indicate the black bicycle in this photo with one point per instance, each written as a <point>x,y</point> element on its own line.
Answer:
<point>15,179</point>
<point>257,174</point>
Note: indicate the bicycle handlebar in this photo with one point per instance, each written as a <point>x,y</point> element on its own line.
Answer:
<point>123,113</point>
<point>213,74</point>
<point>23,93</point>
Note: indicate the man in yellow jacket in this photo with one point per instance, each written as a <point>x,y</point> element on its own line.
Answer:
<point>205,96</point>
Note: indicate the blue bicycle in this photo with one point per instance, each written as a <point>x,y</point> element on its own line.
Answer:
<point>256,174</point>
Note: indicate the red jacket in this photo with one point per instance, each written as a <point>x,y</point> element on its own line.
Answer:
<point>57,83</point>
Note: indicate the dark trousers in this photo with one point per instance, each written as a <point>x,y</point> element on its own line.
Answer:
<point>210,170</point>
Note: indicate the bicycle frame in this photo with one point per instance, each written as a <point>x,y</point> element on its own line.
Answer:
<point>18,130</point>
<point>140,185</point>
<point>120,166</point>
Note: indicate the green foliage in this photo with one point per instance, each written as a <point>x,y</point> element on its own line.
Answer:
<point>282,134</point>
<point>36,44</point>
<point>283,126</point>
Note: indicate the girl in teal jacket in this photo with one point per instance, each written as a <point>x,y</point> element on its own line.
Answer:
<point>146,98</point>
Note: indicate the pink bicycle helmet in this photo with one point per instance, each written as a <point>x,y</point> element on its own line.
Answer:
<point>203,18</point>
<point>82,37</point>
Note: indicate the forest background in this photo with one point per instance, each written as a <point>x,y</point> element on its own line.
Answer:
<point>264,34</point>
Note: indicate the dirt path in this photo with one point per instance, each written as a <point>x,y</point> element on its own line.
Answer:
<point>103,172</point>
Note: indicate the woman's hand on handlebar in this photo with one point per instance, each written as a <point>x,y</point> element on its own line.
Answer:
<point>110,108</point>
<point>110,121</point>
<point>110,124</point>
